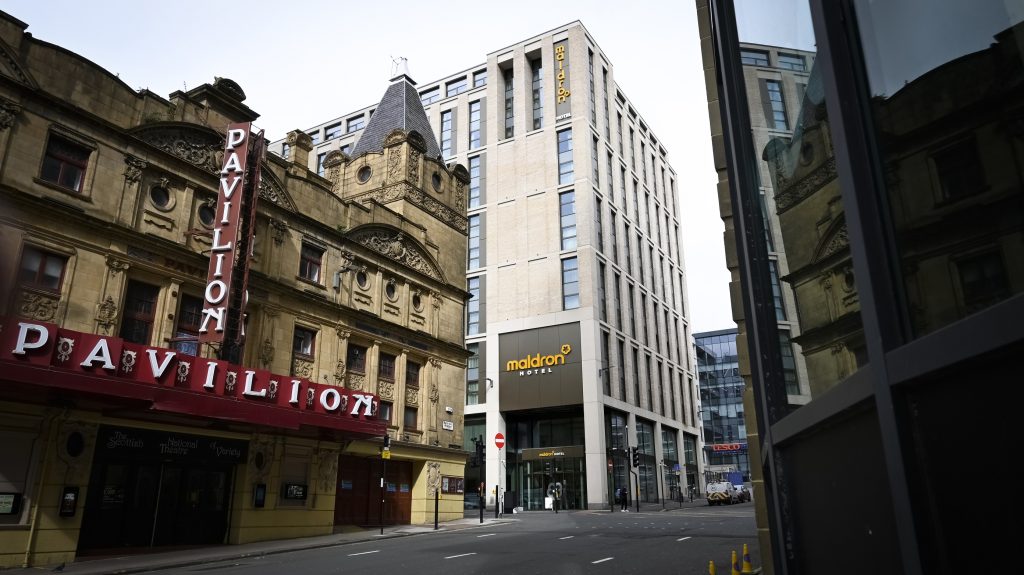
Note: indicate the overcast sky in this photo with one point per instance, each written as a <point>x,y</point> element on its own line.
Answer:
<point>309,62</point>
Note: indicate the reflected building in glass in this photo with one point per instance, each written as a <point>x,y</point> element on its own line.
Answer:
<point>871,169</point>
<point>721,400</point>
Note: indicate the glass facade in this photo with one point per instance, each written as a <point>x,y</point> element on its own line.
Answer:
<point>721,400</point>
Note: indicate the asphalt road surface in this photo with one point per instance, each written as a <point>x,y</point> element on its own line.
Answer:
<point>679,541</point>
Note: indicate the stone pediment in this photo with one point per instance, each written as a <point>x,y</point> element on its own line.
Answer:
<point>10,67</point>
<point>200,146</point>
<point>272,191</point>
<point>398,247</point>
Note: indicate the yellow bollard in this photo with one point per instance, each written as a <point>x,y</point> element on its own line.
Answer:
<point>735,565</point>
<point>711,568</point>
<point>748,568</point>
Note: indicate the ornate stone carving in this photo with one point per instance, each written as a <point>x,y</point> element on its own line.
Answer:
<point>300,139</point>
<point>433,476</point>
<point>792,193</point>
<point>302,368</point>
<point>13,66</point>
<point>343,334</point>
<point>412,396</point>
<point>133,168</point>
<point>838,242</point>
<point>9,110</point>
<point>414,166</point>
<point>116,266</point>
<point>356,381</point>
<point>434,395</point>
<point>394,163</point>
<point>272,191</point>
<point>230,87</point>
<point>395,246</point>
<point>460,195</point>
<point>42,307</point>
<point>339,372</point>
<point>106,314</point>
<point>386,389</point>
<point>279,230</point>
<point>395,137</point>
<point>435,362</point>
<point>266,353</point>
<point>198,147</point>
<point>327,464</point>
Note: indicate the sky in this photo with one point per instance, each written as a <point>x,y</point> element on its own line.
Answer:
<point>302,63</point>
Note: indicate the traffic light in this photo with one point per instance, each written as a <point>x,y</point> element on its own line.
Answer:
<point>635,452</point>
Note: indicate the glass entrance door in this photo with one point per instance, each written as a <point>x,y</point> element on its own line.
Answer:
<point>535,481</point>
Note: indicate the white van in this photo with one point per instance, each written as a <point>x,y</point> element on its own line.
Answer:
<point>722,492</point>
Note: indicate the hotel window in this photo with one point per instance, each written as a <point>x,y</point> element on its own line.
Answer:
<point>320,163</point>
<point>567,213</point>
<point>617,302</point>
<point>510,127</point>
<point>473,306</point>
<point>473,260</point>
<point>386,407</point>
<point>646,324</point>
<point>622,188</point>
<point>186,333</point>
<point>610,183</point>
<point>629,251</point>
<point>599,223</point>
<point>315,137</point>
<point>754,57</point>
<point>139,312</point>
<point>618,126</point>
<point>41,270</point>
<point>474,124</point>
<point>355,124</point>
<point>632,149</point>
<point>473,374</point>
<point>774,105</point>
<point>309,263</point>
<point>780,311</point>
<point>430,96</point>
<point>455,87</point>
<point>412,374</point>
<point>355,358</point>
<point>643,162</point>
<point>636,377</point>
<point>303,342</point>
<point>602,290</point>
<point>636,202</point>
<point>565,169</point>
<point>537,73</point>
<point>595,164</point>
<point>793,62</point>
<point>607,107</point>
<point>64,163</point>
<point>475,183</point>
<point>332,131</point>
<point>346,149</point>
<point>622,370</point>
<point>285,148</point>
<point>593,90</point>
<point>632,311</point>
<point>409,421</point>
<point>479,78</point>
<point>570,283</point>
<point>788,364</point>
<point>386,367</point>
<point>613,228</point>
<point>606,377</point>
<point>446,132</point>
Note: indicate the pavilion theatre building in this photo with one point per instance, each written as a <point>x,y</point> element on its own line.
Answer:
<point>157,386</point>
<point>577,327</point>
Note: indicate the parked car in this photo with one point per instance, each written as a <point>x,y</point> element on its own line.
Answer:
<point>742,493</point>
<point>722,493</point>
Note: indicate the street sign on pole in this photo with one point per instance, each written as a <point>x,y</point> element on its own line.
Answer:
<point>499,440</point>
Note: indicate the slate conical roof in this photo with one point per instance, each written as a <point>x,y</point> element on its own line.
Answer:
<point>399,108</point>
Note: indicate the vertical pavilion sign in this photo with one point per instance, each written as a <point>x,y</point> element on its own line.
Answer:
<point>224,299</point>
<point>562,94</point>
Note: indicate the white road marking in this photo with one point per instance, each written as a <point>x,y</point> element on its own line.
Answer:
<point>485,535</point>
<point>602,560</point>
<point>363,553</point>
<point>683,538</point>
<point>569,537</point>
<point>457,556</point>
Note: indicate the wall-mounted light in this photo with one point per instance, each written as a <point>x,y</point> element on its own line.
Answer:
<point>490,382</point>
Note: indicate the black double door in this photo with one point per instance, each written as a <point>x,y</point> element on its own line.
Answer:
<point>146,504</point>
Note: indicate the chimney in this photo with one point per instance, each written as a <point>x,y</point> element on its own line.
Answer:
<point>299,146</point>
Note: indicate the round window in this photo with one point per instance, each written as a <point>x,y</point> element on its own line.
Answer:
<point>417,302</point>
<point>160,197</point>
<point>390,290</point>
<point>436,181</point>
<point>363,175</point>
<point>75,444</point>
<point>206,215</point>
<point>362,279</point>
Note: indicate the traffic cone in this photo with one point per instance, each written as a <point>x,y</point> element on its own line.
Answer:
<point>735,565</point>
<point>748,568</point>
<point>711,568</point>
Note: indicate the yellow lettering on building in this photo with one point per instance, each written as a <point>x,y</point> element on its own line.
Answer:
<point>537,360</point>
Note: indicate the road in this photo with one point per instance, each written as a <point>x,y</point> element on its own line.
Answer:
<point>679,541</point>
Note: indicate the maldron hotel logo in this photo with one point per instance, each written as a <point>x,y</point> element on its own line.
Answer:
<point>537,363</point>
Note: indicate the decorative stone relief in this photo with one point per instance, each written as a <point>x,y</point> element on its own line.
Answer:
<point>386,389</point>
<point>302,368</point>
<point>339,372</point>
<point>412,396</point>
<point>395,246</point>
<point>327,463</point>
<point>434,395</point>
<point>460,195</point>
<point>266,353</point>
<point>414,166</point>
<point>106,314</point>
<point>356,381</point>
<point>272,191</point>
<point>197,147</point>
<point>838,242</point>
<point>116,266</point>
<point>791,194</point>
<point>279,230</point>
<point>42,307</point>
<point>9,110</point>
<point>394,163</point>
<point>133,168</point>
<point>433,476</point>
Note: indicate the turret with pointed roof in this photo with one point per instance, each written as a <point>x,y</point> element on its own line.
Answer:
<point>401,109</point>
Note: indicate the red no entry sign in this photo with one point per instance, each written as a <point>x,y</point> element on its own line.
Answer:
<point>499,440</point>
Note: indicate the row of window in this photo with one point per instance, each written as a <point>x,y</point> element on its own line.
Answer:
<point>667,389</point>
<point>453,87</point>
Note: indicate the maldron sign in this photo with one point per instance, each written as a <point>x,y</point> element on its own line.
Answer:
<point>537,364</point>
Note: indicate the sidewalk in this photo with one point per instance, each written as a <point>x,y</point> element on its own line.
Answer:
<point>142,562</point>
